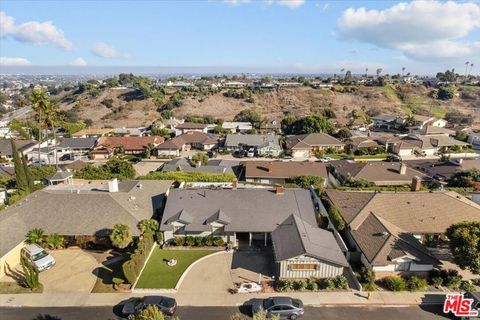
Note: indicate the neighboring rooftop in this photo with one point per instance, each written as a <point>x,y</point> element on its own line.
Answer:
<point>213,166</point>
<point>193,137</point>
<point>191,125</point>
<point>22,145</point>
<point>91,132</point>
<point>284,170</point>
<point>132,143</point>
<point>306,141</point>
<point>252,140</point>
<point>81,210</point>
<point>77,143</point>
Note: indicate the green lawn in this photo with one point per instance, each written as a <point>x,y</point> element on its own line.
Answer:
<point>158,275</point>
<point>15,288</point>
<point>372,156</point>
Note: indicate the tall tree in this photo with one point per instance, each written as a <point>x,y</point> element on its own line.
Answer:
<point>20,176</point>
<point>40,104</point>
<point>28,174</point>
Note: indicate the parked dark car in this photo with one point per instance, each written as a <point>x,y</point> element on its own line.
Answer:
<point>66,157</point>
<point>135,305</point>
<point>285,307</point>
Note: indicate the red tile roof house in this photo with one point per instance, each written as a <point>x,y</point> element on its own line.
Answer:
<point>187,141</point>
<point>107,146</point>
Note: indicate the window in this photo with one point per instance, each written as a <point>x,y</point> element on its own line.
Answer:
<point>303,266</point>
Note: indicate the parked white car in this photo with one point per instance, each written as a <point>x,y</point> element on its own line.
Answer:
<point>251,153</point>
<point>41,259</point>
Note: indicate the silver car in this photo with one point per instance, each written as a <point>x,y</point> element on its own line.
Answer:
<point>41,259</point>
<point>284,307</point>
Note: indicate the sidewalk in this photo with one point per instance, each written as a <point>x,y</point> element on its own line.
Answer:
<point>206,299</point>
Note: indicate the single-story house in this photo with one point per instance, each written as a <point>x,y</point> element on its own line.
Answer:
<point>431,144</point>
<point>387,227</point>
<point>187,141</point>
<point>91,133</point>
<point>387,122</point>
<point>79,210</point>
<point>237,127</point>
<point>284,217</point>
<point>367,143</point>
<point>279,172</point>
<point>108,146</point>
<point>305,145</point>
<point>23,146</point>
<point>443,171</point>
<point>271,126</point>
<point>76,146</point>
<point>136,132</point>
<point>185,127</point>
<point>264,144</point>
<point>212,166</point>
<point>380,173</point>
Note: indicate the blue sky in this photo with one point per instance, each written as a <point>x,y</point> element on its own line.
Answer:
<point>278,35</point>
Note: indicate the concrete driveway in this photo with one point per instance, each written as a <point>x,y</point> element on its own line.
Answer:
<point>73,272</point>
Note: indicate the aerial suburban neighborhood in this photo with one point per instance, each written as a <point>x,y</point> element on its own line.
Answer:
<point>344,187</point>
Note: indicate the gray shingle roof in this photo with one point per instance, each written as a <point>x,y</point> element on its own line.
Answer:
<point>64,210</point>
<point>305,141</point>
<point>213,166</point>
<point>250,210</point>
<point>6,146</point>
<point>77,143</point>
<point>252,140</point>
<point>295,237</point>
<point>60,175</point>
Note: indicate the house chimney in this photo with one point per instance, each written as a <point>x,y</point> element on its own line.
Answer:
<point>460,162</point>
<point>403,168</point>
<point>416,184</point>
<point>198,164</point>
<point>113,185</point>
<point>269,167</point>
<point>279,190</point>
<point>234,184</point>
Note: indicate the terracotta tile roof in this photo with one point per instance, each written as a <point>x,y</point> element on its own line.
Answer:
<point>128,143</point>
<point>280,169</point>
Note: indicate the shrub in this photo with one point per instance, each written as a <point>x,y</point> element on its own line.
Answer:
<point>200,241</point>
<point>336,218</point>
<point>451,278</point>
<point>467,286</point>
<point>395,283</point>
<point>36,235</point>
<point>179,241</point>
<point>150,312</point>
<point>218,242</point>
<point>159,237</point>
<point>330,283</point>
<point>189,241</point>
<point>121,236</point>
<point>118,281</point>
<point>300,285</point>
<point>30,274</point>
<point>312,285</point>
<point>341,282</point>
<point>366,276</point>
<point>55,241</point>
<point>437,282</point>
<point>284,285</point>
<point>415,283</point>
<point>148,225</point>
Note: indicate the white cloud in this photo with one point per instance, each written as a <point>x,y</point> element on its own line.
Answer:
<point>79,62</point>
<point>292,4</point>
<point>422,30</point>
<point>236,2</point>
<point>33,32</point>
<point>103,50</point>
<point>323,7</point>
<point>9,61</point>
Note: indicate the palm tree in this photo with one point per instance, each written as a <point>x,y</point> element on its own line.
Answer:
<point>40,105</point>
<point>148,225</point>
<point>35,235</point>
<point>366,72</point>
<point>403,71</point>
<point>379,71</point>
<point>121,236</point>
<point>466,67</point>
<point>55,241</point>
<point>51,119</point>
<point>470,71</point>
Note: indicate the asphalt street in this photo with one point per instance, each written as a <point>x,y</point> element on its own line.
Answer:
<point>223,313</point>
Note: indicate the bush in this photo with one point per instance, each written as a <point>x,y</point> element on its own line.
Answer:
<point>200,241</point>
<point>179,241</point>
<point>451,278</point>
<point>129,271</point>
<point>467,286</point>
<point>30,274</point>
<point>341,282</point>
<point>218,242</point>
<point>300,285</point>
<point>284,285</point>
<point>336,218</point>
<point>121,236</point>
<point>312,285</point>
<point>395,283</point>
<point>366,276</point>
<point>189,241</point>
<point>55,241</point>
<point>437,282</point>
<point>415,283</point>
<point>330,283</point>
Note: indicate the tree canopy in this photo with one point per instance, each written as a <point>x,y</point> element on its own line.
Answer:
<point>308,124</point>
<point>249,115</point>
<point>465,245</point>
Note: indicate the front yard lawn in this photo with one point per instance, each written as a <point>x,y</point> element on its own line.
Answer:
<point>106,273</point>
<point>15,288</point>
<point>157,274</point>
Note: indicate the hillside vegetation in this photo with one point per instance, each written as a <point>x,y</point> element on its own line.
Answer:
<point>110,107</point>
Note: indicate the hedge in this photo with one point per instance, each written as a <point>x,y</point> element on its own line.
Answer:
<point>183,176</point>
<point>133,267</point>
<point>336,218</point>
<point>210,241</point>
